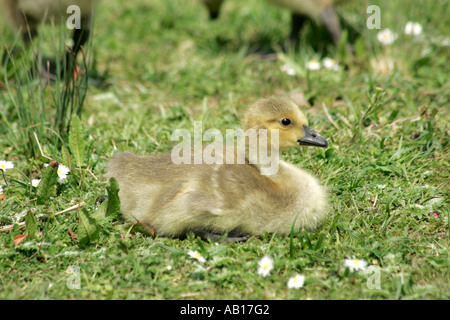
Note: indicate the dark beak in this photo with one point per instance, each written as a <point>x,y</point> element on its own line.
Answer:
<point>312,138</point>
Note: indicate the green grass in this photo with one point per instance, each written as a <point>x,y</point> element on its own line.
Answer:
<point>385,114</point>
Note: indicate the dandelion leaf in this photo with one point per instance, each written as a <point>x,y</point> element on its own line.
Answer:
<point>76,142</point>
<point>113,206</point>
<point>47,185</point>
<point>108,210</point>
<point>100,212</point>
<point>66,158</point>
<point>103,222</point>
<point>32,227</point>
<point>88,230</point>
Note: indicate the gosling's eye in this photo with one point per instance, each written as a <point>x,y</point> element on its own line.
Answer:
<point>285,122</point>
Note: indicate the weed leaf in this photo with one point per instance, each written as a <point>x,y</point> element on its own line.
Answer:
<point>32,227</point>
<point>100,212</point>
<point>76,142</point>
<point>47,185</point>
<point>66,158</point>
<point>88,230</point>
<point>112,210</point>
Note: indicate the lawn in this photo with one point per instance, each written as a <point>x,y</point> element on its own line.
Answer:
<point>156,66</point>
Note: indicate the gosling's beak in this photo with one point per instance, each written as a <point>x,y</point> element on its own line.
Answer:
<point>312,138</point>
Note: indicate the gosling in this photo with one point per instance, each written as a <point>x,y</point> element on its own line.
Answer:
<point>302,10</point>
<point>26,15</point>
<point>234,200</point>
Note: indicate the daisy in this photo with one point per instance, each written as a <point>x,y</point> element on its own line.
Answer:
<point>330,64</point>
<point>265,266</point>
<point>63,171</point>
<point>288,70</point>
<point>1,190</point>
<point>386,37</point>
<point>35,182</point>
<point>413,28</point>
<point>4,165</point>
<point>313,65</point>
<point>296,282</point>
<point>355,264</point>
<point>196,255</point>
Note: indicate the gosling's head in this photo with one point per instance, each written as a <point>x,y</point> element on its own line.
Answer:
<point>282,114</point>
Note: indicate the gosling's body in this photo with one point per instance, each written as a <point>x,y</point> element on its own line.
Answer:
<point>221,198</point>
<point>174,199</point>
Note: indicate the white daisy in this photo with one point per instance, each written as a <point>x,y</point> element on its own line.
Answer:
<point>296,282</point>
<point>413,28</point>
<point>63,171</point>
<point>355,264</point>
<point>196,255</point>
<point>35,182</point>
<point>288,70</point>
<point>313,65</point>
<point>265,266</point>
<point>4,165</point>
<point>1,190</point>
<point>386,37</point>
<point>330,64</point>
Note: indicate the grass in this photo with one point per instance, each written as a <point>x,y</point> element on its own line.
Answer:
<point>384,112</point>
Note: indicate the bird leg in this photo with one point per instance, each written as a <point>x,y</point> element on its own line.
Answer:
<point>80,37</point>
<point>331,22</point>
<point>47,69</point>
<point>297,22</point>
<point>213,8</point>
